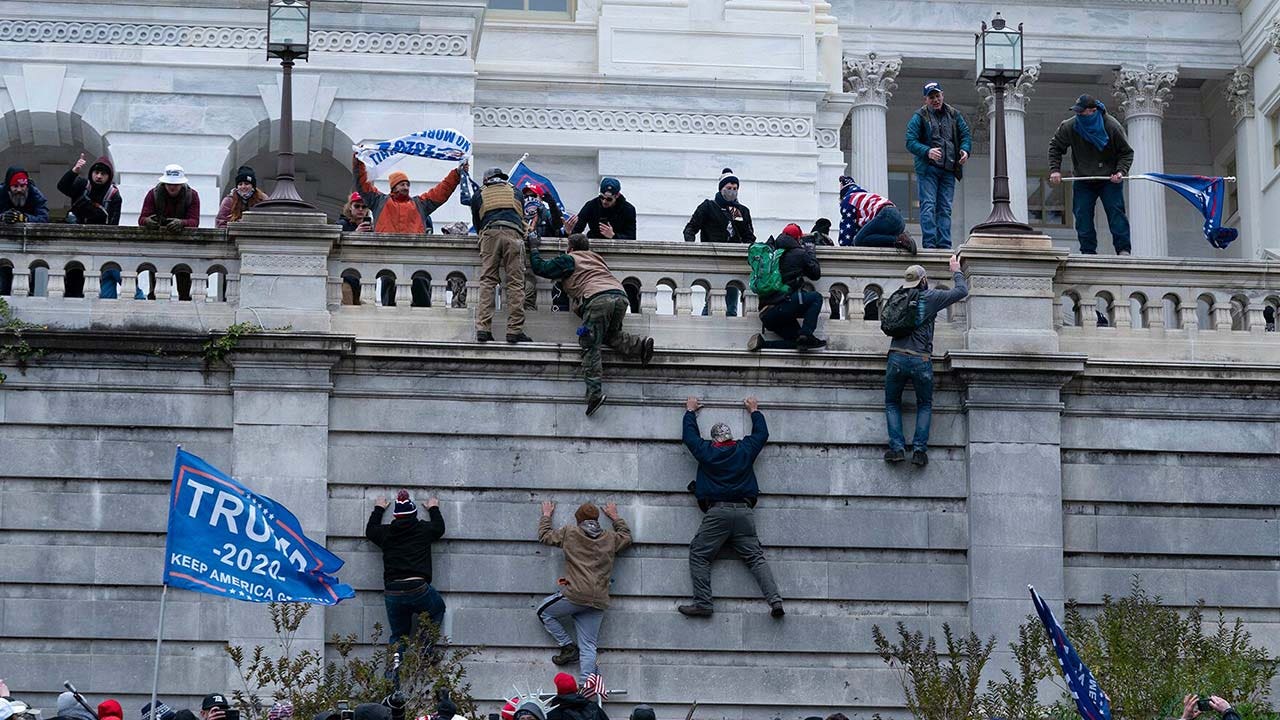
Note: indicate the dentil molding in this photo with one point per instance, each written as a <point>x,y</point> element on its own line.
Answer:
<point>638,121</point>
<point>234,38</point>
<point>1145,90</point>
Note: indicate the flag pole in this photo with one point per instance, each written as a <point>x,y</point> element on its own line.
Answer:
<point>513,167</point>
<point>1126,177</point>
<point>155,676</point>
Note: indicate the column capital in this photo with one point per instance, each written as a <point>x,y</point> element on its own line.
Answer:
<point>1239,93</point>
<point>871,78</point>
<point>1016,93</point>
<point>1144,91</point>
<point>1273,36</point>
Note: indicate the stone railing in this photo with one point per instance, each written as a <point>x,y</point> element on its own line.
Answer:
<point>279,270</point>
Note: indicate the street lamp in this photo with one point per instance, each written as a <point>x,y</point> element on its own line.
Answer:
<point>288,35</point>
<point>998,51</point>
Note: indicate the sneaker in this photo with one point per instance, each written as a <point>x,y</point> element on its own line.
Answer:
<point>568,654</point>
<point>518,338</point>
<point>775,609</point>
<point>894,456</point>
<point>484,336</point>
<point>695,610</point>
<point>646,351</point>
<point>594,402</point>
<point>753,345</point>
<point>906,243</point>
<point>1123,252</point>
<point>920,458</point>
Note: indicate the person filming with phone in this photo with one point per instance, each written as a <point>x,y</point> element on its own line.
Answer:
<point>1194,705</point>
<point>216,707</point>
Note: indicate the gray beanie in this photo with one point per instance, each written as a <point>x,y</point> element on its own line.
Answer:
<point>720,432</point>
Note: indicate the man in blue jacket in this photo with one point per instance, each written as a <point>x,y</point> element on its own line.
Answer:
<point>726,490</point>
<point>939,138</point>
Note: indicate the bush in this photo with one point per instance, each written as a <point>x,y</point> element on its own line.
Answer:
<point>936,690</point>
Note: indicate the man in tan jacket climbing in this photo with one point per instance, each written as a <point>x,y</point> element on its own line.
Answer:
<point>584,589</point>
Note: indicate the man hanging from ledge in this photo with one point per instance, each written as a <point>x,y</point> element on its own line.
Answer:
<point>600,300</point>
<point>406,562</point>
<point>399,212</point>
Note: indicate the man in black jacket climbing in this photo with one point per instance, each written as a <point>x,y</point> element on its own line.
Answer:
<point>781,312</point>
<point>406,561</point>
<point>726,489</point>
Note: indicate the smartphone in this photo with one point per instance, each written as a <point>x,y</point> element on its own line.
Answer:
<point>1202,703</point>
<point>495,716</point>
<point>231,714</point>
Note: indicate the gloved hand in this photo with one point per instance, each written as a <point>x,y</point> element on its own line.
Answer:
<point>533,241</point>
<point>174,225</point>
<point>152,223</point>
<point>13,216</point>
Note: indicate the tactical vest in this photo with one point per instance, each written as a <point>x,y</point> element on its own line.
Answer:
<point>499,196</point>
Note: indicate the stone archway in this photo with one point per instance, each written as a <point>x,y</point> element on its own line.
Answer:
<point>321,159</point>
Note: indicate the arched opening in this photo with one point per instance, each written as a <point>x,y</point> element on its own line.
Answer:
<point>386,282</point>
<point>39,279</point>
<point>6,277</point>
<point>322,162</point>
<point>73,280</point>
<point>455,290</point>
<point>1205,315</point>
<point>700,297</point>
<point>1270,310</point>
<point>631,286</point>
<point>666,297</point>
<point>1104,308</point>
<point>110,281</point>
<point>181,283</point>
<point>146,282</point>
<point>733,294</point>
<point>217,284</point>
<point>350,286</point>
<point>872,295</point>
<point>1070,303</point>
<point>421,287</point>
<point>46,145</point>
<point>1171,308</point>
<point>1138,310</point>
<point>1239,313</point>
<point>838,300</point>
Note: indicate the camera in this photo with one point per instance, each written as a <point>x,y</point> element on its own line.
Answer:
<point>1202,702</point>
<point>344,710</point>
<point>231,714</point>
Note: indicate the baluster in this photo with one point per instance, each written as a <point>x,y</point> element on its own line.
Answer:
<point>1123,319</point>
<point>544,296</point>
<point>21,282</point>
<point>684,301</point>
<point>716,297</point>
<point>1089,315</point>
<point>1190,320</point>
<point>1155,315</point>
<point>129,285</point>
<point>749,304</point>
<point>369,291</point>
<point>233,289</point>
<point>92,284</point>
<point>1257,323</point>
<point>438,298</point>
<point>199,287</point>
<point>333,292</point>
<point>473,294</point>
<point>1222,316</point>
<point>165,289</point>
<point>649,300</point>
<point>57,284</point>
<point>404,294</point>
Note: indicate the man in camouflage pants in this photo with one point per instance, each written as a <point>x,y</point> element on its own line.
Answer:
<point>599,299</point>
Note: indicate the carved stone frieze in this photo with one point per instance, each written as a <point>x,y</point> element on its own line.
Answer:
<point>640,121</point>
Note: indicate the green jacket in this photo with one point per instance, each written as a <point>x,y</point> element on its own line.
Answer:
<point>1087,160</point>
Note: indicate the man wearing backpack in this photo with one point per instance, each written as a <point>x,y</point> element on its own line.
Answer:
<point>907,317</point>
<point>777,276</point>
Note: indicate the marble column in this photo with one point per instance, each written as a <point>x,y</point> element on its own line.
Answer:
<point>1144,93</point>
<point>870,79</point>
<point>1015,132</point>
<point>1240,98</point>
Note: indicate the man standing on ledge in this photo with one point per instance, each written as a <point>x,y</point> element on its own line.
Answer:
<point>939,138</point>
<point>1098,147</point>
<point>498,216</point>
<point>722,219</point>
<point>726,489</point>
<point>406,562</point>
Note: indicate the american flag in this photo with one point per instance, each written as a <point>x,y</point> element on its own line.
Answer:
<point>857,207</point>
<point>593,686</point>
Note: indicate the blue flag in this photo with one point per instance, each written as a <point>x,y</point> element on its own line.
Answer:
<point>521,174</point>
<point>1207,194</point>
<point>1090,700</point>
<point>226,540</point>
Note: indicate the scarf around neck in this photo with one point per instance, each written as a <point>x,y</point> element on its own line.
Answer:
<point>1094,127</point>
<point>591,528</point>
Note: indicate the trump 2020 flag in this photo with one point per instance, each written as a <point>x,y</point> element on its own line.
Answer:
<point>1207,194</point>
<point>1090,700</point>
<point>226,540</point>
<point>521,174</point>
<point>433,144</point>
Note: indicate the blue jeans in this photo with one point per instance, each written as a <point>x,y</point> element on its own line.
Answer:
<point>881,230</point>
<point>405,599</point>
<point>937,187</point>
<point>780,318</point>
<point>901,368</point>
<point>1085,194</point>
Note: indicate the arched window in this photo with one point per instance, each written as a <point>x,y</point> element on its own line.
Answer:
<point>350,286</point>
<point>73,280</point>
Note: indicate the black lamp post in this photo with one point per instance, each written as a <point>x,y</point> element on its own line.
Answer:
<point>999,61</point>
<point>288,35</point>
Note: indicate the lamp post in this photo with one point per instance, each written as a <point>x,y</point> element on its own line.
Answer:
<point>288,36</point>
<point>998,51</point>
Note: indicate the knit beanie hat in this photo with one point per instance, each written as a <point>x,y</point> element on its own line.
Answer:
<point>163,711</point>
<point>793,230</point>
<point>565,684</point>
<point>20,175</point>
<point>586,511</point>
<point>726,177</point>
<point>246,174</point>
<point>109,709</point>
<point>643,712</point>
<point>373,711</point>
<point>446,709</point>
<point>532,707</point>
<point>396,177</point>
<point>404,505</point>
<point>846,181</point>
<point>720,432</point>
<point>823,226</point>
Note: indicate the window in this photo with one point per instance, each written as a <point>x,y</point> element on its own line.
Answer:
<point>904,193</point>
<point>1046,203</point>
<point>552,8</point>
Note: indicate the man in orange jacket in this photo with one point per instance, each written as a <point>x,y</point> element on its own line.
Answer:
<point>401,212</point>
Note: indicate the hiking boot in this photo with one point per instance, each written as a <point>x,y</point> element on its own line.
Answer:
<point>568,654</point>
<point>753,345</point>
<point>594,402</point>
<point>695,610</point>
<point>905,243</point>
<point>809,342</point>
<point>920,458</point>
<point>646,351</point>
<point>775,609</point>
<point>894,456</point>
<point>518,338</point>
<point>484,336</point>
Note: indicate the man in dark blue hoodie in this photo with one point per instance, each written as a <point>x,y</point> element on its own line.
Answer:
<point>726,489</point>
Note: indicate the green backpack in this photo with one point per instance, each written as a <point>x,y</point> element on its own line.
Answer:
<point>766,275</point>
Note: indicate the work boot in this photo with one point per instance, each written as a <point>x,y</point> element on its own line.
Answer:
<point>568,654</point>
<point>695,610</point>
<point>809,342</point>
<point>519,337</point>
<point>594,402</point>
<point>920,458</point>
<point>905,242</point>
<point>484,336</point>
<point>753,345</point>
<point>894,456</point>
<point>646,351</point>
<point>775,609</point>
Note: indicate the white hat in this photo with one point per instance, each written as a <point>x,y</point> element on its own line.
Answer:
<point>173,175</point>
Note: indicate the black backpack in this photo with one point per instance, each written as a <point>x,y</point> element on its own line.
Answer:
<point>902,313</point>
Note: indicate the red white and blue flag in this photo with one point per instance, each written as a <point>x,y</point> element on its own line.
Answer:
<point>1207,194</point>
<point>1091,701</point>
<point>593,686</point>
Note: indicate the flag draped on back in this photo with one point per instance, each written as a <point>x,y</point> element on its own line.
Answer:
<point>1207,194</point>
<point>226,540</point>
<point>521,174</point>
<point>1090,700</point>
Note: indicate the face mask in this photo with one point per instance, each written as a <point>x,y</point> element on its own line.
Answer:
<point>245,194</point>
<point>729,195</point>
